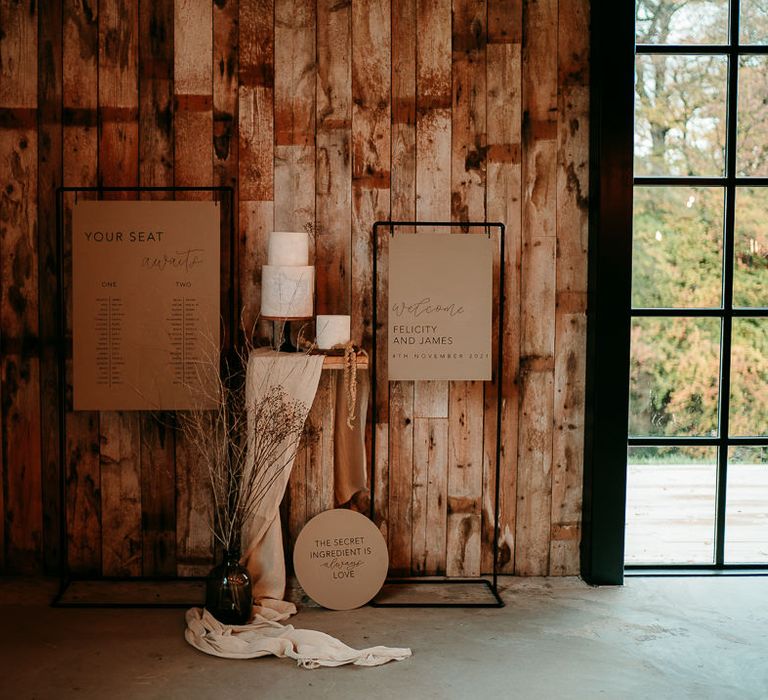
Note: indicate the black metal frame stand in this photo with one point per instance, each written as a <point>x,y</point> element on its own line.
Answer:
<point>62,347</point>
<point>492,585</point>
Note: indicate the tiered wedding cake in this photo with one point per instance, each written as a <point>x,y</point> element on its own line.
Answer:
<point>287,282</point>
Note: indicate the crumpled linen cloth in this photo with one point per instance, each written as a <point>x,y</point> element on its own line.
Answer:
<point>267,636</point>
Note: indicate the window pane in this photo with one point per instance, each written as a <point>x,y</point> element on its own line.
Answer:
<point>673,22</point>
<point>680,115</point>
<point>752,150</point>
<point>671,505</point>
<point>677,247</point>
<point>750,274</point>
<point>674,376</point>
<point>749,377</point>
<point>746,517</point>
<point>753,24</point>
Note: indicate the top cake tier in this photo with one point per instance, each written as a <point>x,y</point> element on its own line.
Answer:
<point>288,248</point>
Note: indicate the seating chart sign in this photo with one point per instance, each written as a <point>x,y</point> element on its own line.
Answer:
<point>440,316</point>
<point>145,299</point>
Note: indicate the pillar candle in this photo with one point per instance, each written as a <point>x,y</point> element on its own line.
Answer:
<point>332,330</point>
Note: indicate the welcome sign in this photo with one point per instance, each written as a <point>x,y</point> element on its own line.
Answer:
<point>440,307</point>
<point>145,277</point>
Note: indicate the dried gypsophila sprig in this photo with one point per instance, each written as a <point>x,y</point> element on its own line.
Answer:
<point>245,447</point>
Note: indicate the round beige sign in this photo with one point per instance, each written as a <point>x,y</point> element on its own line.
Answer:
<point>340,559</point>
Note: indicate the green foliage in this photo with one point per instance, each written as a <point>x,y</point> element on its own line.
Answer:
<point>674,376</point>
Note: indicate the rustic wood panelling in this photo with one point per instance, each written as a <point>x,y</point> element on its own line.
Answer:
<point>371,156</point>
<point>371,173</point>
<point>80,168</point>
<point>324,116</point>
<point>120,456</point>
<point>468,184</point>
<point>395,400</point>
<point>156,168</point>
<point>334,162</point>
<point>504,203</point>
<point>193,94</point>
<point>294,116</point>
<point>225,151</point>
<point>256,146</point>
<point>119,432</point>
<point>49,176</point>
<point>176,524</point>
<point>434,91</point>
<point>537,343</point>
<point>20,363</point>
<point>571,285</point>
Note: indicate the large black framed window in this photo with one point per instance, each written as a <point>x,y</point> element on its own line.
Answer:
<point>678,343</point>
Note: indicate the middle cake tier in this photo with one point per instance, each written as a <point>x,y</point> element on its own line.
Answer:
<point>287,292</point>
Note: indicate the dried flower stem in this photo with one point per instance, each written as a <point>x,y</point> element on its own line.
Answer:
<point>245,446</point>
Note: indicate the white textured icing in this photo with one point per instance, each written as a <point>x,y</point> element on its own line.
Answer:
<point>286,291</point>
<point>332,330</point>
<point>288,248</point>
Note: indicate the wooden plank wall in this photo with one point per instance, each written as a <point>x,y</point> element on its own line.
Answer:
<point>326,116</point>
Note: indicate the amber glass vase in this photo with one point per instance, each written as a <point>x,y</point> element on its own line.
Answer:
<point>228,591</point>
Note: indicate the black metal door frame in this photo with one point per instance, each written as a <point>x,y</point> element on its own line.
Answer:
<point>610,268</point>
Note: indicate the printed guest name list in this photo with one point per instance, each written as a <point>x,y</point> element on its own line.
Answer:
<point>145,304</point>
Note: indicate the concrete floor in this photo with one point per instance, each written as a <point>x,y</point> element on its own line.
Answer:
<point>557,638</point>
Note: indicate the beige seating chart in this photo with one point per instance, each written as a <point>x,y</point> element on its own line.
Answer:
<point>145,304</point>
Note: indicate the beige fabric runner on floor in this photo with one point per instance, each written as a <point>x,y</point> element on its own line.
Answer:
<point>266,636</point>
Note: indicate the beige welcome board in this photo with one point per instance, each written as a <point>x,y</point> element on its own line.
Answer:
<point>440,307</point>
<point>145,299</point>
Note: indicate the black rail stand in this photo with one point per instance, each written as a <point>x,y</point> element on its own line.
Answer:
<point>388,228</point>
<point>147,593</point>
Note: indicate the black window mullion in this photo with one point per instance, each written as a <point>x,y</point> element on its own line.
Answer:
<point>697,181</point>
<point>700,49</point>
<point>694,441</point>
<point>665,312</point>
<point>728,252</point>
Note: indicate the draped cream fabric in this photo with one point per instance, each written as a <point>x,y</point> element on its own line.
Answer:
<point>262,542</point>
<point>299,376</point>
<point>267,636</point>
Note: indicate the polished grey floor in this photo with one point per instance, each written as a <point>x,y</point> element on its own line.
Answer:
<point>557,638</point>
